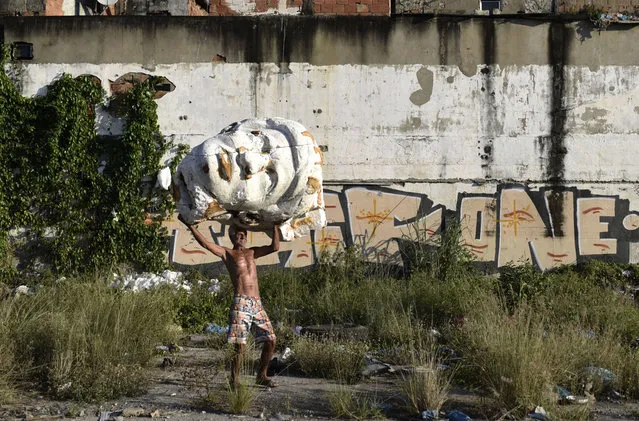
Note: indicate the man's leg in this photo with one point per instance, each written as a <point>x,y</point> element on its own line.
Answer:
<point>236,363</point>
<point>268,348</point>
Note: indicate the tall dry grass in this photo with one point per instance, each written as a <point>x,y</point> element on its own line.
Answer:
<point>80,339</point>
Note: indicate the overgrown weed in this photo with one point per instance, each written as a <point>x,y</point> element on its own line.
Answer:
<point>427,386</point>
<point>82,340</point>
<point>341,360</point>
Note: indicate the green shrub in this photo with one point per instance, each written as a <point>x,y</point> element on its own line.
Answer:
<point>196,308</point>
<point>521,282</point>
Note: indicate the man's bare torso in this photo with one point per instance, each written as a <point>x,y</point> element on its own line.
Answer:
<point>243,270</point>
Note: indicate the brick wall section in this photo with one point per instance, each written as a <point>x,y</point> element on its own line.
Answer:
<point>352,7</point>
<point>320,7</point>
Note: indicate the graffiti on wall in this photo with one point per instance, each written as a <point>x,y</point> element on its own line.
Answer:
<point>545,227</point>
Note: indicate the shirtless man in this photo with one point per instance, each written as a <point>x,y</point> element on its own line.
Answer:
<point>246,308</point>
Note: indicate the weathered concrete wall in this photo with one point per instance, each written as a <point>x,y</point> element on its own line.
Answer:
<point>523,129</point>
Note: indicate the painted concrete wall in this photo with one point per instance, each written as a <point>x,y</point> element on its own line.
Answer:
<point>526,131</point>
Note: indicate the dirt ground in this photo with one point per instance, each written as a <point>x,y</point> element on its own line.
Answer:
<point>178,385</point>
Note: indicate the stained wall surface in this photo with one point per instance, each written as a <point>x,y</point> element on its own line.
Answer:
<point>525,130</point>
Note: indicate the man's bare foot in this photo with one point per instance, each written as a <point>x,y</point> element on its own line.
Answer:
<point>265,381</point>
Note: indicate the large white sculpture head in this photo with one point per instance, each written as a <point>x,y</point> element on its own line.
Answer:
<point>254,173</point>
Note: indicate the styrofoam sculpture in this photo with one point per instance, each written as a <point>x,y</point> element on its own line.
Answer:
<point>255,173</point>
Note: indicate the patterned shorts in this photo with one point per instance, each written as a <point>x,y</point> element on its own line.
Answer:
<point>247,311</point>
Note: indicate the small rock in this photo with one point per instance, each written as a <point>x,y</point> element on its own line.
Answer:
<point>155,414</point>
<point>21,290</point>
<point>133,412</point>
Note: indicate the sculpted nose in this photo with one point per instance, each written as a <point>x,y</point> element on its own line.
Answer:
<point>252,162</point>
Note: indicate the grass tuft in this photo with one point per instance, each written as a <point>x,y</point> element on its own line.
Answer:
<point>427,386</point>
<point>331,359</point>
<point>346,403</point>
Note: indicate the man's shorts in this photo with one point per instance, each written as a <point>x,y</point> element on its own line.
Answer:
<point>246,311</point>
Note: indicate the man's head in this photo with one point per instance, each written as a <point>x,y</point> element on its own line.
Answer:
<point>238,235</point>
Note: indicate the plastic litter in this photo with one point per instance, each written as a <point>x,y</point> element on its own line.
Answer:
<point>456,415</point>
<point>215,328</point>
<point>539,414</point>
<point>21,290</point>
<point>286,355</point>
<point>606,376</point>
<point>164,178</point>
<point>564,395</point>
<point>430,414</point>
<point>215,286</point>
<point>137,282</point>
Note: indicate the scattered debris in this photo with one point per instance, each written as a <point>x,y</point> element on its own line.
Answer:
<point>215,328</point>
<point>539,414</point>
<point>456,415</point>
<point>21,290</point>
<point>164,178</point>
<point>139,282</point>
<point>606,376</point>
<point>286,355</point>
<point>565,396</point>
<point>430,414</point>
<point>133,412</point>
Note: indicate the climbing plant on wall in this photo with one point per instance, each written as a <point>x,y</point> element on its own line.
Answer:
<point>78,198</point>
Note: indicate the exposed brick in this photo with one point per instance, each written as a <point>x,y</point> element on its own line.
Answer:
<point>273,4</point>
<point>220,8</point>
<point>380,9</point>
<point>53,8</point>
<point>341,2</point>
<point>339,9</point>
<point>261,5</point>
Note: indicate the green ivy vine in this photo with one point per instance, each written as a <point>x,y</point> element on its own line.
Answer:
<point>78,197</point>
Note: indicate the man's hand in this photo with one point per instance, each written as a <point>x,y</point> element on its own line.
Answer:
<point>275,244</point>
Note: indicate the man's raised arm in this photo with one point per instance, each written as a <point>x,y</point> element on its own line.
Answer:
<point>219,251</point>
<point>275,244</point>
